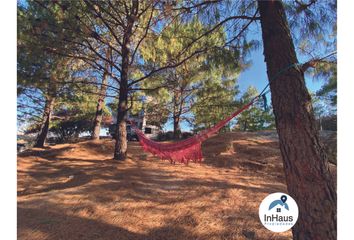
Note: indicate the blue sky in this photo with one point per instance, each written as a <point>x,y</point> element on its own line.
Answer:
<point>256,74</point>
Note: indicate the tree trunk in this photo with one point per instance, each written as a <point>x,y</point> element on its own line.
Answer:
<point>305,163</point>
<point>177,111</point>
<point>48,108</point>
<point>176,128</point>
<point>100,103</point>
<point>245,126</point>
<point>120,151</point>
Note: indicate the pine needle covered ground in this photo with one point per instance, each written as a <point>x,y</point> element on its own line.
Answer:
<point>75,191</point>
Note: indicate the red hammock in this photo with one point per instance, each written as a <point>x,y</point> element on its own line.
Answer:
<point>185,150</point>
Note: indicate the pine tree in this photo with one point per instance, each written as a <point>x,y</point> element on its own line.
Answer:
<point>39,71</point>
<point>185,82</point>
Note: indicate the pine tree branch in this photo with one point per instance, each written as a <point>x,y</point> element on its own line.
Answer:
<point>198,5</point>
<point>37,118</point>
<point>173,65</point>
<point>143,37</point>
<point>99,15</point>
<point>303,6</point>
<point>91,83</point>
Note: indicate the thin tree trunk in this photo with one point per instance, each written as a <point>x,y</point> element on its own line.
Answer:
<point>245,126</point>
<point>176,127</point>
<point>176,116</point>
<point>177,111</point>
<point>100,103</point>
<point>305,163</point>
<point>120,150</point>
<point>48,108</point>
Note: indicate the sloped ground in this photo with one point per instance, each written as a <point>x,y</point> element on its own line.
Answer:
<point>75,191</point>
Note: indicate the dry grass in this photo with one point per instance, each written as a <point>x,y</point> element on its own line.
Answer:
<point>75,191</point>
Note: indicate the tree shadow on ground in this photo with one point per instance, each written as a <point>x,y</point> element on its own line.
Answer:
<point>142,182</point>
<point>71,179</point>
<point>249,155</point>
<point>125,188</point>
<point>54,224</point>
<point>46,152</point>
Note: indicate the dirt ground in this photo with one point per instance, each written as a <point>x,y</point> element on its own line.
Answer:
<point>76,191</point>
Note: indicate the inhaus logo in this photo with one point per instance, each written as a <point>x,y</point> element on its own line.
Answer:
<point>278,212</point>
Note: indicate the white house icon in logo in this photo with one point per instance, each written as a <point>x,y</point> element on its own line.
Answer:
<point>281,202</point>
